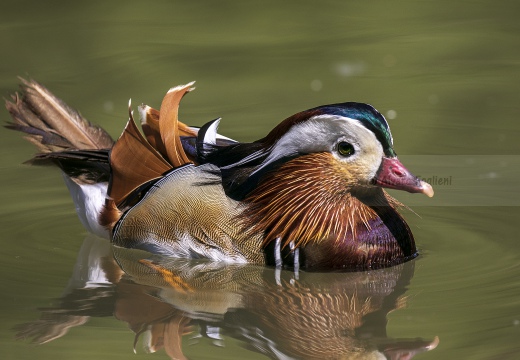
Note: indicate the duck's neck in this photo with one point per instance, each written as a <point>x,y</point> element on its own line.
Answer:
<point>300,206</point>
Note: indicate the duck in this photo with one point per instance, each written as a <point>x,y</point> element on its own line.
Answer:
<point>309,195</point>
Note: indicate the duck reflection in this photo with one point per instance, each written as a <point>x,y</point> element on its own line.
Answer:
<point>281,314</point>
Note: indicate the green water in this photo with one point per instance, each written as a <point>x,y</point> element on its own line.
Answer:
<point>445,74</point>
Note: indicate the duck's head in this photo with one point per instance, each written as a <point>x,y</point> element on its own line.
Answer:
<point>353,139</point>
<point>359,142</point>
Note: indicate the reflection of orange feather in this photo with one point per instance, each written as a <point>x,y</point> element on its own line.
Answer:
<point>173,332</point>
<point>173,280</point>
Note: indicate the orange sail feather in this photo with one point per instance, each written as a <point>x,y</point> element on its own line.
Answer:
<point>169,124</point>
<point>133,162</point>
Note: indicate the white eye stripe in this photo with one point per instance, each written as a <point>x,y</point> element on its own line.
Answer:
<point>321,133</point>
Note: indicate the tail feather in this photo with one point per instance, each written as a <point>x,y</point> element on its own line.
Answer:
<point>60,133</point>
<point>66,139</point>
<point>86,166</point>
<point>50,123</point>
<point>37,131</point>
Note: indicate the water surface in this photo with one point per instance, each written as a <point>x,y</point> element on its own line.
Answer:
<point>442,72</point>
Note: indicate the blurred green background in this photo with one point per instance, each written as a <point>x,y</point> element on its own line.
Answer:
<point>444,73</point>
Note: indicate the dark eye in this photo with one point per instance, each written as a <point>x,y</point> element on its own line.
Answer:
<point>345,149</point>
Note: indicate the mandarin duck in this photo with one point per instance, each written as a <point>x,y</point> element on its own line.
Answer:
<point>309,195</point>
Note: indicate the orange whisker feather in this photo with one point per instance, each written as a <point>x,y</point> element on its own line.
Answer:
<point>302,212</point>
